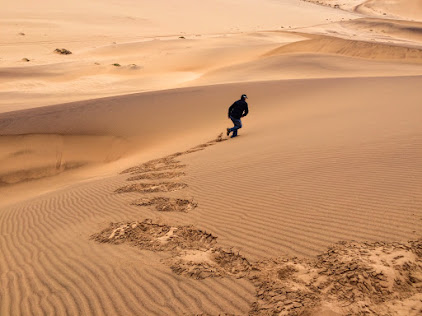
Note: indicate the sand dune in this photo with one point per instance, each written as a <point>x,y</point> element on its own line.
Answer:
<point>395,9</point>
<point>33,156</point>
<point>352,48</point>
<point>395,29</point>
<point>404,9</point>
<point>120,193</point>
<point>134,33</point>
<point>235,58</point>
<point>339,171</point>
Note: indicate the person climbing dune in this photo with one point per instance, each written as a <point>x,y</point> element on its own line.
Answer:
<point>237,110</point>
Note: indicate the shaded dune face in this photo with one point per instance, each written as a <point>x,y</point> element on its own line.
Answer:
<point>404,9</point>
<point>352,48</point>
<point>35,156</point>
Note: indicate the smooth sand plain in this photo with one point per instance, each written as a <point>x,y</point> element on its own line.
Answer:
<point>120,196</point>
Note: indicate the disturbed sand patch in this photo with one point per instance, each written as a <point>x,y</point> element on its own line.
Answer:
<point>152,187</point>
<point>163,168</point>
<point>157,175</point>
<point>194,251</point>
<point>157,237</point>
<point>166,163</point>
<point>350,279</point>
<point>169,162</point>
<point>215,262</point>
<point>164,204</point>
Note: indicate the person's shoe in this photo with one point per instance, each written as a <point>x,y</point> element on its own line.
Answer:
<point>228,131</point>
<point>233,136</point>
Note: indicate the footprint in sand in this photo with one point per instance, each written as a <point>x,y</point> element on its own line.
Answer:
<point>152,187</point>
<point>169,162</point>
<point>214,262</point>
<point>349,278</point>
<point>157,175</point>
<point>168,169</point>
<point>158,237</point>
<point>155,165</point>
<point>355,278</point>
<point>166,163</point>
<point>194,251</point>
<point>163,204</point>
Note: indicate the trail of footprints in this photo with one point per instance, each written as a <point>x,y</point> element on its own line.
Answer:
<point>164,204</point>
<point>354,278</point>
<point>163,169</point>
<point>194,252</point>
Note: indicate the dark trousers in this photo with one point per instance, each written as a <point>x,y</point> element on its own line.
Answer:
<point>237,124</point>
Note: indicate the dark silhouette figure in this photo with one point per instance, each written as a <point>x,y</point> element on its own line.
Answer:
<point>237,110</point>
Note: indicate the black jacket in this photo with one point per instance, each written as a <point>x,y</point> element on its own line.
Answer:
<point>239,109</point>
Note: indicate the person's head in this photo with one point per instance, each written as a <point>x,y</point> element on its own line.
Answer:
<point>244,96</point>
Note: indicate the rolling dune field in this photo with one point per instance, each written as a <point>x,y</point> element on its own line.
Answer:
<point>121,194</point>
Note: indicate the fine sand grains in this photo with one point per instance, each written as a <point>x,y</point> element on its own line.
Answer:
<point>163,168</point>
<point>330,151</point>
<point>157,176</point>
<point>354,278</point>
<point>194,251</point>
<point>164,204</point>
<point>350,278</point>
<point>152,187</point>
<point>154,236</point>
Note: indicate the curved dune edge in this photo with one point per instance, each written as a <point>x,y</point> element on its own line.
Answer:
<point>396,27</point>
<point>404,9</point>
<point>407,9</point>
<point>348,278</point>
<point>351,48</point>
<point>27,157</point>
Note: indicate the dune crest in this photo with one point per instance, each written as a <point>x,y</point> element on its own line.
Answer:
<point>352,48</point>
<point>397,9</point>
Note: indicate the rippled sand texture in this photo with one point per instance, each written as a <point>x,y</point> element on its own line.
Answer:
<point>120,193</point>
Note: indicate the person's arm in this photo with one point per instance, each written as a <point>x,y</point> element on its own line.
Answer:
<point>246,111</point>
<point>230,109</point>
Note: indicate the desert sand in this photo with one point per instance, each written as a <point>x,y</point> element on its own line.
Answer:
<point>120,193</point>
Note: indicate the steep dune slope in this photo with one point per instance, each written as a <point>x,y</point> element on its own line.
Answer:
<point>340,161</point>
<point>325,169</point>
